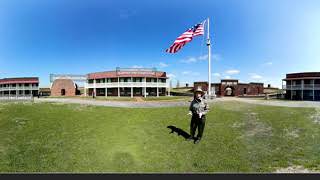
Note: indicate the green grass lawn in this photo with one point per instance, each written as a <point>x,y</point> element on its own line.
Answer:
<point>238,137</point>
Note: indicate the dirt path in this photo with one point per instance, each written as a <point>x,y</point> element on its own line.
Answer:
<point>285,103</point>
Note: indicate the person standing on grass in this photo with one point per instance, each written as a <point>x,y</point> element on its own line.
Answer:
<point>198,109</point>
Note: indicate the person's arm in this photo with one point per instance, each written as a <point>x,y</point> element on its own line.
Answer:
<point>206,108</point>
<point>190,108</point>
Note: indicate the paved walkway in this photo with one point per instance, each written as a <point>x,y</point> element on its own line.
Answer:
<point>273,102</point>
<point>151,104</point>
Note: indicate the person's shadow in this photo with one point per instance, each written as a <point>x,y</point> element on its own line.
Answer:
<point>179,132</point>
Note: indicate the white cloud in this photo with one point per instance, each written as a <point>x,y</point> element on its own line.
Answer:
<point>162,64</point>
<point>216,74</point>
<point>255,76</point>
<point>232,71</point>
<point>136,66</point>
<point>267,64</point>
<point>227,77</point>
<point>190,73</point>
<point>189,60</point>
<point>201,58</point>
<point>186,72</point>
<point>204,57</point>
<point>171,75</point>
<point>216,57</point>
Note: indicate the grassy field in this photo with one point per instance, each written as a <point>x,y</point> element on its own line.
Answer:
<point>238,137</point>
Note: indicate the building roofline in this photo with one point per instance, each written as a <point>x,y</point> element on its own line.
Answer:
<point>311,72</point>
<point>19,78</point>
<point>300,78</point>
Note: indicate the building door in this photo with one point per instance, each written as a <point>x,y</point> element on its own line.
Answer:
<point>244,90</point>
<point>63,92</point>
<point>228,91</point>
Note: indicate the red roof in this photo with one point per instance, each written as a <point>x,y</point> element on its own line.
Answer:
<point>19,80</point>
<point>303,75</point>
<point>115,74</point>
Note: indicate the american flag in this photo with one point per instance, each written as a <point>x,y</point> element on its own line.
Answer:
<point>186,37</point>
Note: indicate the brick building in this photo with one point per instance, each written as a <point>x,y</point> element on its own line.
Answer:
<point>127,82</point>
<point>232,87</point>
<point>302,86</point>
<point>64,87</point>
<point>19,87</point>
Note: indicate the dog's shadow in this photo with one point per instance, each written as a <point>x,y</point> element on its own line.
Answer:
<point>179,132</point>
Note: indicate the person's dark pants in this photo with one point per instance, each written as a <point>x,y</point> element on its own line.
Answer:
<point>199,123</point>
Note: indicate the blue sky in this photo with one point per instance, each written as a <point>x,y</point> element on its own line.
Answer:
<point>253,41</point>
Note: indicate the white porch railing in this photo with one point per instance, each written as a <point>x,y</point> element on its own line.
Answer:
<point>125,84</point>
<point>300,87</point>
<point>17,88</point>
<point>16,97</point>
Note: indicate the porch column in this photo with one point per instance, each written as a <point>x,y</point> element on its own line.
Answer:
<point>291,89</point>
<point>157,87</point>
<point>84,89</point>
<point>145,87</point>
<point>106,92</point>
<point>94,87</point>
<point>24,92</point>
<point>313,90</point>
<point>131,88</point>
<point>168,86</point>
<point>302,84</point>
<point>118,87</point>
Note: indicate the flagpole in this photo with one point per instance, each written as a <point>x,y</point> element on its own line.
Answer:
<point>209,60</point>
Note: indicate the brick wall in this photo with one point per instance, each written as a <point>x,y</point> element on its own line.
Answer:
<point>237,89</point>
<point>66,84</point>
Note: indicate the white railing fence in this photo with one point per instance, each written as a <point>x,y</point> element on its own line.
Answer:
<point>300,87</point>
<point>16,97</point>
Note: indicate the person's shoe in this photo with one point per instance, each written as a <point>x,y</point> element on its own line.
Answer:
<point>197,141</point>
<point>190,138</point>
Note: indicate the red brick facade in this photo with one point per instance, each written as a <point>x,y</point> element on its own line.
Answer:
<point>231,87</point>
<point>63,87</point>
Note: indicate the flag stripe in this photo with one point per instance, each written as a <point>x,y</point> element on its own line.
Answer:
<point>186,37</point>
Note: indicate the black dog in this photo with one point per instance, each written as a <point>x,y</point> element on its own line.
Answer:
<point>179,131</point>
